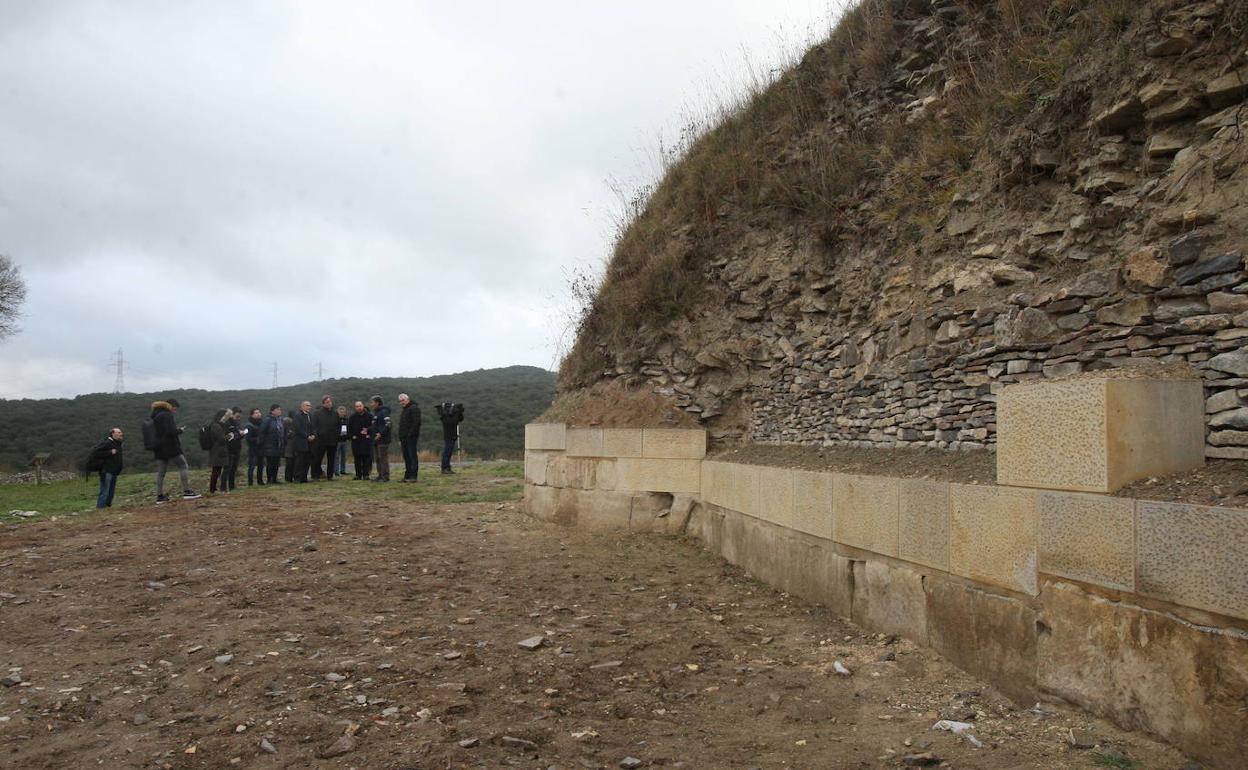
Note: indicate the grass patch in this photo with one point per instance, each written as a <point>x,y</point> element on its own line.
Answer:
<point>483,482</point>
<point>1106,759</point>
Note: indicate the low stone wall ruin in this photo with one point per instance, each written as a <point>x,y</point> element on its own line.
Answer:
<point>1133,609</point>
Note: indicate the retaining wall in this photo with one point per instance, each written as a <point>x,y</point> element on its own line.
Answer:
<point>1134,609</point>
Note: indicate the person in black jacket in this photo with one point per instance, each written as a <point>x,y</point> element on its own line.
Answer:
<point>359,431</point>
<point>169,449</point>
<point>255,456</point>
<point>381,439</point>
<point>272,444</point>
<point>324,439</point>
<point>409,436</point>
<point>302,437</point>
<point>106,457</point>
<point>235,448</point>
<point>451,415</point>
<point>219,436</point>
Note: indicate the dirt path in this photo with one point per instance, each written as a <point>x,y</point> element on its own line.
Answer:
<point>276,631</point>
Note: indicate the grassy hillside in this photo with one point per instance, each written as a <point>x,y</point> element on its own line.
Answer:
<point>498,402</point>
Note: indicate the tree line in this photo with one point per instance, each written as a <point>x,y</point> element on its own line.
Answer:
<point>498,403</point>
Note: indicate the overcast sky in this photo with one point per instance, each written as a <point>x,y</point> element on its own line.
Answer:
<point>386,188</point>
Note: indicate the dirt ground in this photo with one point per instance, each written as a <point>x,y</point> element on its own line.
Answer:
<point>1219,482</point>
<point>301,631</point>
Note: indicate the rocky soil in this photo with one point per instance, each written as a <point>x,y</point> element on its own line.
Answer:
<point>265,632</point>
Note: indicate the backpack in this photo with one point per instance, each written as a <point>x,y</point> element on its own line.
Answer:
<point>149,435</point>
<point>205,436</point>
<point>95,461</point>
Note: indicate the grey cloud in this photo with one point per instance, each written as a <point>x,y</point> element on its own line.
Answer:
<point>312,173</point>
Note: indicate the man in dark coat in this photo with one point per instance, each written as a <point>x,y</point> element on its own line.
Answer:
<point>169,449</point>
<point>106,458</point>
<point>302,437</point>
<point>255,456</point>
<point>325,439</point>
<point>451,416</point>
<point>359,431</point>
<point>219,435</point>
<point>235,447</point>
<point>381,439</point>
<point>272,443</point>
<point>409,436</point>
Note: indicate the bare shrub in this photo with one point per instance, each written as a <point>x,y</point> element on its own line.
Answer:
<point>12,294</point>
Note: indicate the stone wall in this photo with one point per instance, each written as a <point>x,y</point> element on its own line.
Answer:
<point>1134,609</point>
<point>933,380</point>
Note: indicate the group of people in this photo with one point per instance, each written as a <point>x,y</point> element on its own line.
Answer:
<point>313,443</point>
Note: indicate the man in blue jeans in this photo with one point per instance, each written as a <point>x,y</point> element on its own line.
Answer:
<point>409,437</point>
<point>106,457</point>
<point>451,416</point>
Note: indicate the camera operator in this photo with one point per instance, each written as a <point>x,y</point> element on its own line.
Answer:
<point>451,415</point>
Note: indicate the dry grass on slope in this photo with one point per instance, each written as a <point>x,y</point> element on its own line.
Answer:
<point>829,140</point>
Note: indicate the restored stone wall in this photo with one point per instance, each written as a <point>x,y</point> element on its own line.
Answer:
<point>1134,609</point>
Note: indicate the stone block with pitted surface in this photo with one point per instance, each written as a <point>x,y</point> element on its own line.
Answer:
<point>812,503</point>
<point>992,535</point>
<point>673,476</point>
<point>865,512</point>
<point>673,444</point>
<point>1193,555</point>
<point>549,435</point>
<point>1088,537</point>
<point>731,485</point>
<point>1098,434</point>
<point>775,495</point>
<point>923,523</point>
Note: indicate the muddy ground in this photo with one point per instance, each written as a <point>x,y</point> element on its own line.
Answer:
<point>296,630</point>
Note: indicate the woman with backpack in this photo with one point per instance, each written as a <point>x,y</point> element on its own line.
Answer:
<point>219,435</point>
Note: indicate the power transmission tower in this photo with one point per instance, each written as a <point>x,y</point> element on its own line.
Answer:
<point>275,374</point>
<point>320,371</point>
<point>120,366</point>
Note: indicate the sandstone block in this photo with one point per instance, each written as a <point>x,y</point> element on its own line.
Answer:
<point>674,443</point>
<point>548,435</point>
<point>775,495</point>
<point>992,535</point>
<point>645,475</point>
<point>812,503</point>
<point>1193,555</point>
<point>865,512</point>
<point>622,442</point>
<point>890,600</point>
<point>733,486</point>
<point>986,634</point>
<point>923,523</point>
<point>1097,435</point>
<point>584,442</point>
<point>540,502</point>
<point>1088,537</point>
<point>594,510</point>
<point>535,464</point>
<point>1138,667</point>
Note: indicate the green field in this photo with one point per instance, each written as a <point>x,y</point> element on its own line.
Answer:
<point>484,482</point>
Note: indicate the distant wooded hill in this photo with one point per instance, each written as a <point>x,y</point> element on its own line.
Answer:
<point>498,403</point>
